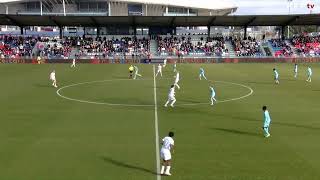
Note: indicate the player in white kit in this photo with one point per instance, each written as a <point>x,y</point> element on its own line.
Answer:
<point>165,154</point>
<point>171,97</point>
<point>175,66</point>
<point>73,63</point>
<point>309,74</point>
<point>295,70</point>
<point>53,78</point>
<point>136,72</point>
<point>164,62</point>
<point>212,95</point>
<point>159,70</point>
<point>177,76</point>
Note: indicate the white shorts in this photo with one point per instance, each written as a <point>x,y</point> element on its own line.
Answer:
<point>52,79</point>
<point>176,82</point>
<point>171,98</point>
<point>165,154</point>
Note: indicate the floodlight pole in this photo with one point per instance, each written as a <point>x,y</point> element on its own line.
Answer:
<point>41,8</point>
<point>289,14</point>
<point>146,11</point>
<point>64,7</point>
<point>109,8</point>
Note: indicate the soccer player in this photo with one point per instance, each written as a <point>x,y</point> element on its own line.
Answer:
<point>159,70</point>
<point>175,66</point>
<point>171,97</point>
<point>213,94</point>
<point>73,63</point>
<point>295,70</point>
<point>267,121</point>
<point>131,68</point>
<point>53,78</point>
<point>201,74</point>
<point>276,76</point>
<point>165,153</point>
<point>177,76</point>
<point>164,62</point>
<point>309,74</point>
<point>39,60</point>
<point>136,72</point>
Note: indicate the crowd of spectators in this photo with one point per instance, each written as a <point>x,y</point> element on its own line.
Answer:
<point>307,45</point>
<point>53,48</point>
<point>282,49</point>
<point>16,47</point>
<point>179,46</point>
<point>103,47</point>
<point>127,46</point>
<point>246,47</point>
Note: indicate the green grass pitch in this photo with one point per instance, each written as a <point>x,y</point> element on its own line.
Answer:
<point>46,137</point>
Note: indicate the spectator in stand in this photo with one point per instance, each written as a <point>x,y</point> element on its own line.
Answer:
<point>247,47</point>
<point>284,49</point>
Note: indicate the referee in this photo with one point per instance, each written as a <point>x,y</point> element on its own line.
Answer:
<point>131,68</point>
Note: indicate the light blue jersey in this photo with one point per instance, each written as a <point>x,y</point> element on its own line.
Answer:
<point>309,71</point>
<point>201,71</point>
<point>212,92</point>
<point>267,118</point>
<point>276,74</point>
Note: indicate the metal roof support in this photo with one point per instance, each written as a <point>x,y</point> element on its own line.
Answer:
<point>94,21</point>
<point>172,21</point>
<point>212,21</point>
<point>13,21</point>
<point>54,21</point>
<point>291,20</point>
<point>250,21</point>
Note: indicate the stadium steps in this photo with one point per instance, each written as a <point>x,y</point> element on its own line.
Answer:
<point>73,53</point>
<point>35,50</point>
<point>265,49</point>
<point>230,48</point>
<point>271,48</point>
<point>295,52</point>
<point>153,47</point>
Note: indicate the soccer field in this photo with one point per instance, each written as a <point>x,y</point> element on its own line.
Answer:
<point>105,126</point>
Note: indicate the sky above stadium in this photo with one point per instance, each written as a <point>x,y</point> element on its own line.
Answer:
<point>273,7</point>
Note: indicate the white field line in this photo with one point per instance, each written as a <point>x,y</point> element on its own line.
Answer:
<point>156,125</point>
<point>145,105</point>
<point>226,100</point>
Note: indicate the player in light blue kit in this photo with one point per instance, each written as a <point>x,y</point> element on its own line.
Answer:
<point>295,70</point>
<point>276,76</point>
<point>201,74</point>
<point>267,121</point>
<point>175,66</point>
<point>309,74</point>
<point>213,94</point>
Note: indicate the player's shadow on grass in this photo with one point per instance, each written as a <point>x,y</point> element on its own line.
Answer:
<point>273,122</point>
<point>128,166</point>
<point>233,131</point>
<point>43,85</point>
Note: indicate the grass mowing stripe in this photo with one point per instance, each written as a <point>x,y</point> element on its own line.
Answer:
<point>156,123</point>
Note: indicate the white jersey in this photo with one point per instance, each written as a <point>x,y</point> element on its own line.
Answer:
<point>171,92</point>
<point>159,67</point>
<point>296,68</point>
<point>165,61</point>
<point>167,143</point>
<point>53,76</point>
<point>73,61</point>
